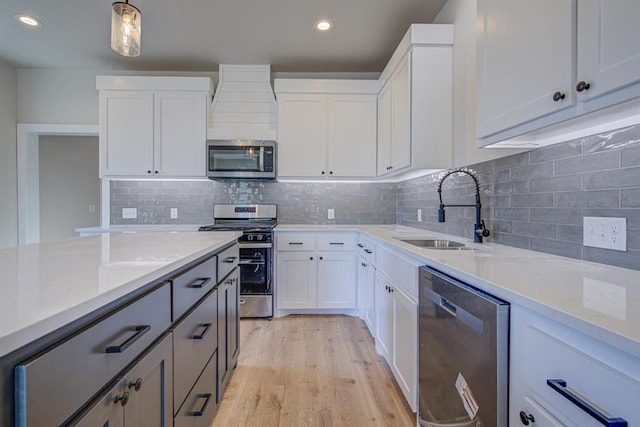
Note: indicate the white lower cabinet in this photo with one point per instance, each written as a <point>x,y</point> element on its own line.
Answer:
<point>366,293</point>
<point>315,270</point>
<point>559,376</point>
<point>397,334</point>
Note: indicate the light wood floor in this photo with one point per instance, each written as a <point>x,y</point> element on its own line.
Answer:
<point>311,371</point>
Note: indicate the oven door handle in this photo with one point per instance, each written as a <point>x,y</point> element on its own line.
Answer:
<point>255,245</point>
<point>250,262</point>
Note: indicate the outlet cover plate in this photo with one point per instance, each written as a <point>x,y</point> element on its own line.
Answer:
<point>174,213</point>
<point>605,232</point>
<point>129,213</point>
<point>331,214</point>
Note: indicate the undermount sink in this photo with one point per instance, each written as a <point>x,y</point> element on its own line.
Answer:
<point>437,244</point>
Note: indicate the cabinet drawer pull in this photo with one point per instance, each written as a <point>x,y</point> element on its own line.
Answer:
<point>561,387</point>
<point>243,301</point>
<point>200,336</point>
<point>582,86</point>
<point>124,399</point>
<point>558,96</point>
<point>360,245</point>
<point>200,283</point>
<point>296,243</point>
<point>368,251</point>
<point>140,331</point>
<point>230,260</point>
<point>336,243</point>
<point>206,397</point>
<point>136,385</point>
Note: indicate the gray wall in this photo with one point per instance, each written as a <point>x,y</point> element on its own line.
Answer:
<point>537,200</point>
<point>8,162</point>
<point>68,185</point>
<point>298,203</point>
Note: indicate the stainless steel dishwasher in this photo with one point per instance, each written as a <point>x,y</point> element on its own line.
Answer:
<point>463,354</point>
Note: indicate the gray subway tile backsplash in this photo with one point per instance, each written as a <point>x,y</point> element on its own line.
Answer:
<point>534,200</point>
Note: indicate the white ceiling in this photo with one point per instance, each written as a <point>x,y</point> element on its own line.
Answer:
<point>198,35</point>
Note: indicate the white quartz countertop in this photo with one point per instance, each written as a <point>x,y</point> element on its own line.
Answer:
<point>599,300</point>
<point>46,286</point>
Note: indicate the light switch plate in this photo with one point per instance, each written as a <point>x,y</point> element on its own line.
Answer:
<point>419,215</point>
<point>129,213</point>
<point>605,232</point>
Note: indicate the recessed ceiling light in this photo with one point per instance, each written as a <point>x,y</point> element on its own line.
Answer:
<point>324,25</point>
<point>28,20</point>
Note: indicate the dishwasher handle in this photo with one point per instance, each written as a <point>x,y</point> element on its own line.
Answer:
<point>454,310</point>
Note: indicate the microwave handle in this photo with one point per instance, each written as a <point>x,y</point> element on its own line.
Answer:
<point>261,159</point>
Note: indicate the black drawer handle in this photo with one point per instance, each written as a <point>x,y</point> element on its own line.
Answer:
<point>296,243</point>
<point>336,243</point>
<point>360,245</point>
<point>140,331</point>
<point>368,251</point>
<point>200,336</point>
<point>206,397</point>
<point>561,387</point>
<point>200,283</point>
<point>124,399</point>
<point>230,259</point>
<point>136,385</point>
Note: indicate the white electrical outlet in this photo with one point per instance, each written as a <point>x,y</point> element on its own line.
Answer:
<point>419,215</point>
<point>92,208</point>
<point>331,214</point>
<point>174,213</point>
<point>129,213</point>
<point>604,232</point>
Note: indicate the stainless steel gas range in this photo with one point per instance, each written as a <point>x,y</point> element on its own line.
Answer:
<point>256,253</point>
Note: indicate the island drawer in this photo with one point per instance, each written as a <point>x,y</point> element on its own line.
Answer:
<point>200,405</point>
<point>227,261</point>
<point>51,386</point>
<point>336,241</point>
<point>191,286</point>
<point>295,241</point>
<point>195,339</point>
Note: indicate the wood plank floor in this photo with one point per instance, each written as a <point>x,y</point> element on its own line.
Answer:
<point>311,371</point>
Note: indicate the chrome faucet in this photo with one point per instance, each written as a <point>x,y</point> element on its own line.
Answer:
<point>479,229</point>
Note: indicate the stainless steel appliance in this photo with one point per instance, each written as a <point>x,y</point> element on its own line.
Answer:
<point>256,253</point>
<point>241,159</point>
<point>463,354</point>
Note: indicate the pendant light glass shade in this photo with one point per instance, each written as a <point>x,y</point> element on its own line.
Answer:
<point>126,21</point>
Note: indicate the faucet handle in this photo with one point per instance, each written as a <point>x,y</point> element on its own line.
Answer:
<point>483,230</point>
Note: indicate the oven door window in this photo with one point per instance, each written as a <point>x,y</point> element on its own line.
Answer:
<point>255,271</point>
<point>229,158</point>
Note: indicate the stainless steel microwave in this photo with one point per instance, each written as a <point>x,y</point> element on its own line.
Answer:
<point>241,159</point>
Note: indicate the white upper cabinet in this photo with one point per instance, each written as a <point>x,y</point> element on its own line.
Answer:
<point>608,45</point>
<point>415,103</point>
<point>543,65</point>
<point>326,128</point>
<point>153,126</point>
<point>525,61</point>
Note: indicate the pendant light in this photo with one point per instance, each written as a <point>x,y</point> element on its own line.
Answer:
<point>126,27</point>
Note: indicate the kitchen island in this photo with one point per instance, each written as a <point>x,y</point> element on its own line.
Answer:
<point>52,292</point>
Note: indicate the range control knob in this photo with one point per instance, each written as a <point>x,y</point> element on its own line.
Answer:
<point>259,236</point>
<point>249,236</point>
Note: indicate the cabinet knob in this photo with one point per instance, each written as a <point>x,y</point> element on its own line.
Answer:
<point>525,418</point>
<point>311,258</point>
<point>124,399</point>
<point>156,171</point>
<point>582,86</point>
<point>149,171</point>
<point>558,96</point>
<point>330,172</point>
<point>136,385</point>
<point>322,172</point>
<point>321,258</point>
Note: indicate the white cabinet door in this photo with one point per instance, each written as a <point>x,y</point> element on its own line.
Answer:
<point>369,298</point>
<point>126,133</point>
<point>384,129</point>
<point>180,133</point>
<point>608,47</point>
<point>384,316</point>
<point>336,280</point>
<point>401,115</point>
<point>297,272</point>
<point>302,135</point>
<point>352,135</point>
<point>525,56</point>
<point>405,345</point>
